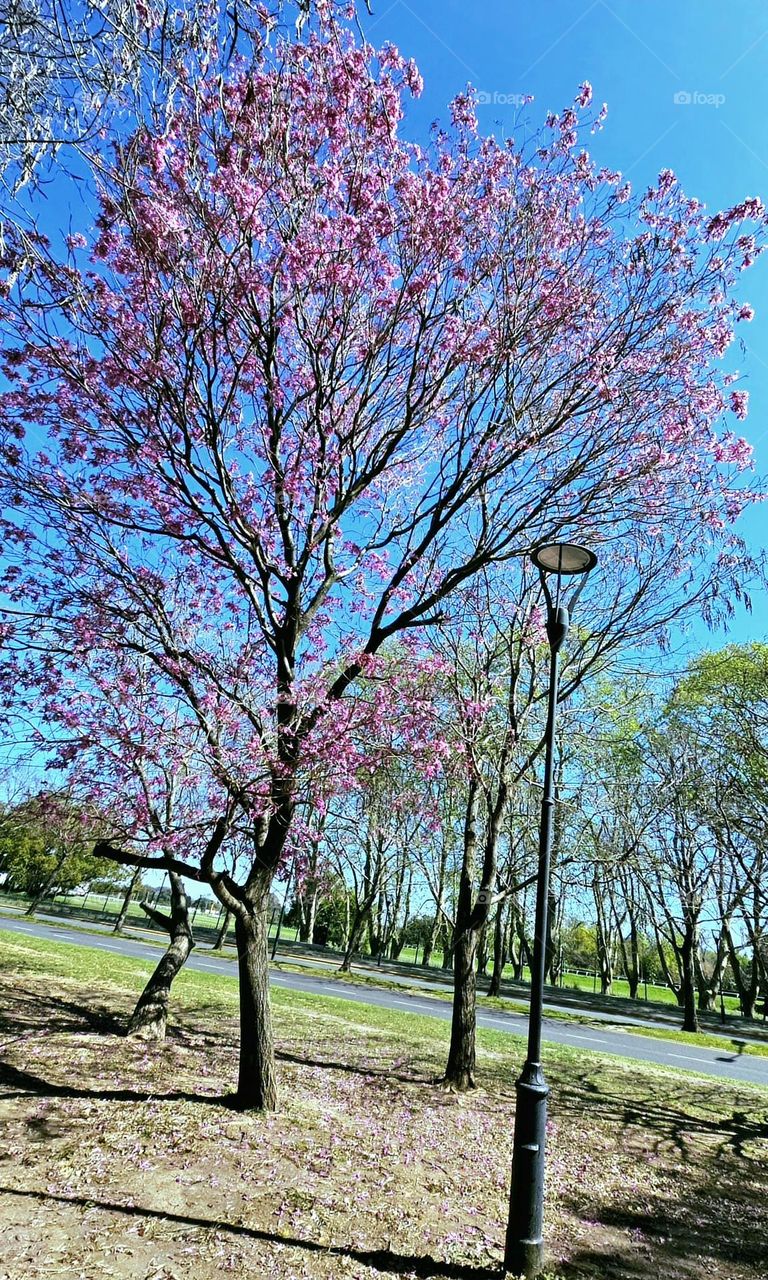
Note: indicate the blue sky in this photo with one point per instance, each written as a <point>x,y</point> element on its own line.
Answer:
<point>686,82</point>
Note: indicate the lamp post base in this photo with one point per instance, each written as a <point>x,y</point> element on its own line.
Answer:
<point>526,1259</point>
<point>524,1250</point>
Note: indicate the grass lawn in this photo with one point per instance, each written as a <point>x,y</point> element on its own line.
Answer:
<point>620,987</point>
<point>126,1160</point>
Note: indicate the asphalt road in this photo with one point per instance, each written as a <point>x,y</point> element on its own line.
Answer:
<point>726,1062</point>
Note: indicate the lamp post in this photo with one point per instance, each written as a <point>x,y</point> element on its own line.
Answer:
<point>524,1250</point>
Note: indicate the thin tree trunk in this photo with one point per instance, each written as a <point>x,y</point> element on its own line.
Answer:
<point>429,943</point>
<point>221,936</point>
<point>304,933</point>
<point>438,924</point>
<point>520,952</point>
<point>482,951</point>
<point>633,968</point>
<point>460,1069</point>
<point>550,961</point>
<point>675,987</point>
<point>312,914</point>
<point>50,881</point>
<point>150,1017</point>
<point>120,921</point>
<point>499,948</point>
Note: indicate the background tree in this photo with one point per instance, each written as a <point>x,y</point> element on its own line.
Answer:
<point>45,847</point>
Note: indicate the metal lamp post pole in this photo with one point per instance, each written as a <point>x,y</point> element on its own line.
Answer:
<point>524,1248</point>
<point>524,1251</point>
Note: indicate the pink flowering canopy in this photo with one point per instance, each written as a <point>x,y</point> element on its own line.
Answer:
<point>305,378</point>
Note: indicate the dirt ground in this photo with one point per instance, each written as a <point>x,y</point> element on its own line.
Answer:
<point>123,1160</point>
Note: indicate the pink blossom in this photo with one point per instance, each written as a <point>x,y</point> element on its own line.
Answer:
<point>740,403</point>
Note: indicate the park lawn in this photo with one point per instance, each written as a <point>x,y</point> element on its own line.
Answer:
<point>620,988</point>
<point>731,1037</point>
<point>126,1160</point>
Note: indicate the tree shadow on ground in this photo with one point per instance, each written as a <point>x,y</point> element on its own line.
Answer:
<point>32,1011</point>
<point>714,1212</point>
<point>16,1083</point>
<point>54,1014</point>
<point>362,1069</point>
<point>421,1265</point>
<point>686,1127</point>
<point>671,1238</point>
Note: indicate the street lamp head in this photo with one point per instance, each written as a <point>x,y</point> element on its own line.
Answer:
<point>563,558</point>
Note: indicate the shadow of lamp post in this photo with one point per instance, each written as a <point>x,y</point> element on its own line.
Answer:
<point>524,1249</point>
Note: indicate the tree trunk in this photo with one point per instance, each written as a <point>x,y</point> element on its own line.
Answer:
<point>499,949</point>
<point>604,963</point>
<point>150,1017</point>
<point>438,925</point>
<point>747,990</point>
<point>120,921</point>
<point>675,987</point>
<point>460,1071</point>
<point>312,915</point>
<point>305,934</point>
<point>482,951</point>
<point>429,943</point>
<point>633,968</point>
<point>42,893</point>
<point>256,1084</point>
<point>690,1017</point>
<point>519,949</point>
<point>221,936</point>
<point>550,960</point>
<point>603,935</point>
<point>705,986</point>
<point>353,942</point>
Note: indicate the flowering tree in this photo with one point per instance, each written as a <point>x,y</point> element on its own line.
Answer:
<point>306,379</point>
<point>136,763</point>
<point>71,72</point>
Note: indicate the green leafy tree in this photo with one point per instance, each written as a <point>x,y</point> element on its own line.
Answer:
<point>45,844</point>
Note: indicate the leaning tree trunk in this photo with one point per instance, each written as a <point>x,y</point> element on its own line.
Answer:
<point>430,941</point>
<point>354,940</point>
<point>48,885</point>
<point>150,1017</point>
<point>257,1082</point>
<point>221,936</point>
<point>120,921</point>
